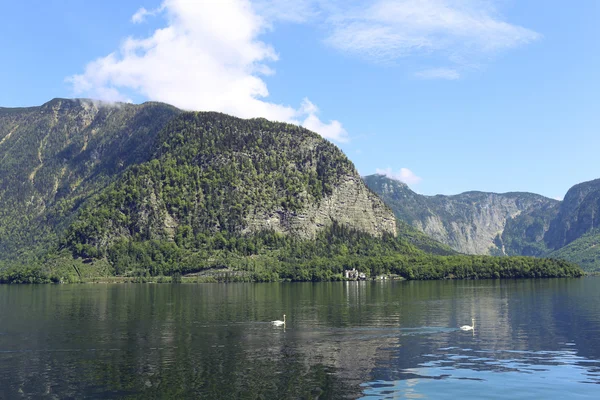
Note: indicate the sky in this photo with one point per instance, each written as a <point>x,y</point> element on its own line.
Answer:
<point>444,95</point>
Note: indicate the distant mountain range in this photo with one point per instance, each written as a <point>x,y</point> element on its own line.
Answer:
<point>503,224</point>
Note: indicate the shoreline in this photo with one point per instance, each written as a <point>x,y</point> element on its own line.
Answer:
<point>194,280</point>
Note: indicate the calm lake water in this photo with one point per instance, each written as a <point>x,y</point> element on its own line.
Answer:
<point>533,339</point>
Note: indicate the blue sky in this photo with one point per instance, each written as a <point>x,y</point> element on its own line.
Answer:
<point>447,95</point>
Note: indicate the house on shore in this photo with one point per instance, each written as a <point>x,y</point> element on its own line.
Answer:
<point>353,274</point>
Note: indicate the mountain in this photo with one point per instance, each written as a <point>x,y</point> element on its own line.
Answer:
<point>54,157</point>
<point>472,222</point>
<point>514,224</point>
<point>151,172</point>
<point>211,172</point>
<point>579,214</point>
<point>574,233</point>
<point>93,189</point>
<point>584,251</point>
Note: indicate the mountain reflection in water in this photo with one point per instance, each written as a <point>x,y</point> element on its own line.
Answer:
<point>537,339</point>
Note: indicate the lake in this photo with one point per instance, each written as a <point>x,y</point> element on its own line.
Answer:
<point>533,339</point>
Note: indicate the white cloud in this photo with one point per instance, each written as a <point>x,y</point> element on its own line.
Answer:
<point>438,73</point>
<point>209,54</point>
<point>332,130</point>
<point>460,30</point>
<point>140,16</point>
<point>287,10</point>
<point>404,175</point>
<point>207,57</point>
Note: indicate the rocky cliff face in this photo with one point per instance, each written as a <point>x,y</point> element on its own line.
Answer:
<point>574,233</point>
<point>471,222</point>
<point>524,234</point>
<point>504,224</point>
<point>350,203</point>
<point>579,213</point>
<point>211,173</point>
<point>107,171</point>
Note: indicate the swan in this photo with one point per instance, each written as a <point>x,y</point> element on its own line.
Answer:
<point>278,322</point>
<point>467,327</point>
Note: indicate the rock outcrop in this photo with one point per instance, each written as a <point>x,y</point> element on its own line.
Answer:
<point>579,213</point>
<point>211,172</point>
<point>350,203</point>
<point>513,224</point>
<point>99,172</point>
<point>471,222</point>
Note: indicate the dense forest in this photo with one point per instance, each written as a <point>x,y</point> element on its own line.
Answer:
<point>212,173</point>
<point>271,256</point>
<point>55,157</point>
<point>583,251</point>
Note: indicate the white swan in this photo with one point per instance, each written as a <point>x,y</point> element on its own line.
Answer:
<point>467,327</point>
<point>278,322</point>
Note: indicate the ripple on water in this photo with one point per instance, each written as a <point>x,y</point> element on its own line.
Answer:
<point>465,373</point>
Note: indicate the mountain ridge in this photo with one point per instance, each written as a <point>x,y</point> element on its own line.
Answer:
<point>533,225</point>
<point>90,188</point>
<point>51,153</point>
<point>468,222</point>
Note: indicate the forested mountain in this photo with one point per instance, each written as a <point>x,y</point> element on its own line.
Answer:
<point>88,188</point>
<point>584,251</point>
<point>503,224</point>
<point>574,234</point>
<point>579,214</point>
<point>83,175</point>
<point>54,157</point>
<point>211,173</point>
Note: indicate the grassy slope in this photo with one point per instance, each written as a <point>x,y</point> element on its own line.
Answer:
<point>584,251</point>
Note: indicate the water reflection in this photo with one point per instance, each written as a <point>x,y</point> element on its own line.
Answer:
<point>342,340</point>
<point>533,339</point>
<point>493,375</point>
